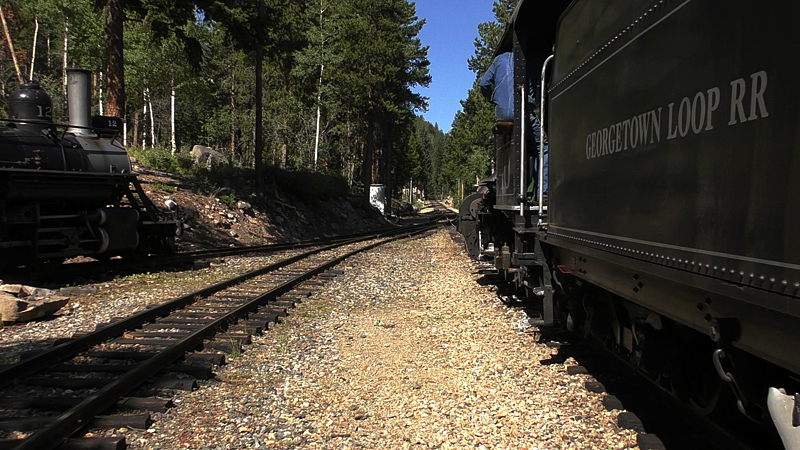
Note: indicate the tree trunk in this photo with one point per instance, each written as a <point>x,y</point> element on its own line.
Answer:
<point>135,136</point>
<point>319,107</point>
<point>64,61</point>
<point>144,118</point>
<point>100,96</point>
<point>152,124</point>
<point>10,45</point>
<point>173,143</point>
<point>33,47</point>
<point>319,88</point>
<point>368,157</point>
<point>259,111</point>
<point>388,166</point>
<point>232,121</point>
<point>259,142</point>
<point>114,63</point>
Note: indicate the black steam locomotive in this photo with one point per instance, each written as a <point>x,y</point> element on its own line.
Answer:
<point>68,190</point>
<point>671,229</point>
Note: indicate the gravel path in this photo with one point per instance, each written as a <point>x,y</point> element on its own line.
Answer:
<point>405,350</point>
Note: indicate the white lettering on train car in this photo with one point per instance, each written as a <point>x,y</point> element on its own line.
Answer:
<point>692,115</point>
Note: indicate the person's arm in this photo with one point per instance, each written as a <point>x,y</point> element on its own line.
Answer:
<point>487,83</point>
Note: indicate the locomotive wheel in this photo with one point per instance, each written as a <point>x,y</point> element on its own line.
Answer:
<point>705,393</point>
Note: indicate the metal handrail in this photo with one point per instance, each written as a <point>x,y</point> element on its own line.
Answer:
<point>541,140</point>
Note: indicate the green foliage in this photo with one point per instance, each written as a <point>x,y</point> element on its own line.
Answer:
<point>489,34</point>
<point>432,157</point>
<point>469,153</point>
<point>164,187</point>
<point>226,197</point>
<point>352,62</point>
<point>162,159</point>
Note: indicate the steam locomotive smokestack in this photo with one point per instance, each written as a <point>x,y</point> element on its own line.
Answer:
<point>79,100</point>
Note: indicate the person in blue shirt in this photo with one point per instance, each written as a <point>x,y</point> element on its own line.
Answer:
<point>497,85</point>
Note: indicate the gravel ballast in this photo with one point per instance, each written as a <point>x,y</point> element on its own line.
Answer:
<point>405,350</point>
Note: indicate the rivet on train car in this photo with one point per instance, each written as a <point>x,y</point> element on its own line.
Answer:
<point>700,306</point>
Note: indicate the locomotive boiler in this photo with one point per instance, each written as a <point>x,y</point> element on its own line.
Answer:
<point>68,190</point>
<point>671,229</point>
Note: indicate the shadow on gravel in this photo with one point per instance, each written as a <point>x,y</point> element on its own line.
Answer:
<point>13,353</point>
<point>659,414</point>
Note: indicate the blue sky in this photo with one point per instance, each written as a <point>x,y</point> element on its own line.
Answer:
<point>450,29</point>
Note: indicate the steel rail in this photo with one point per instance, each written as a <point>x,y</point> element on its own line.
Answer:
<point>78,416</point>
<point>70,348</point>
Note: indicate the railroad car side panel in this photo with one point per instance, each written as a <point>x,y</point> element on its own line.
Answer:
<point>674,137</point>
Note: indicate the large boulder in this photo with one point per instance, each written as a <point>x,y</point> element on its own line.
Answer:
<point>207,157</point>
<point>20,303</point>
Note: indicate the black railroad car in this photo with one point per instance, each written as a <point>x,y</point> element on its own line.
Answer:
<point>68,190</point>
<point>671,230</point>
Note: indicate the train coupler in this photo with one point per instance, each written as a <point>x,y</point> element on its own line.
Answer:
<point>717,357</point>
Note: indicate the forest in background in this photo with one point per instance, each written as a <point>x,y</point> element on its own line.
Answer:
<point>469,151</point>
<point>337,76</point>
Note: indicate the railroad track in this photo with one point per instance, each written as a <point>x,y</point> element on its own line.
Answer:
<point>54,394</point>
<point>94,269</point>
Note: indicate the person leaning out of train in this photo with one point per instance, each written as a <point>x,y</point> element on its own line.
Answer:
<point>497,86</point>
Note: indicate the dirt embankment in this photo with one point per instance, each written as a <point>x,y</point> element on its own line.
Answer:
<point>236,215</point>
